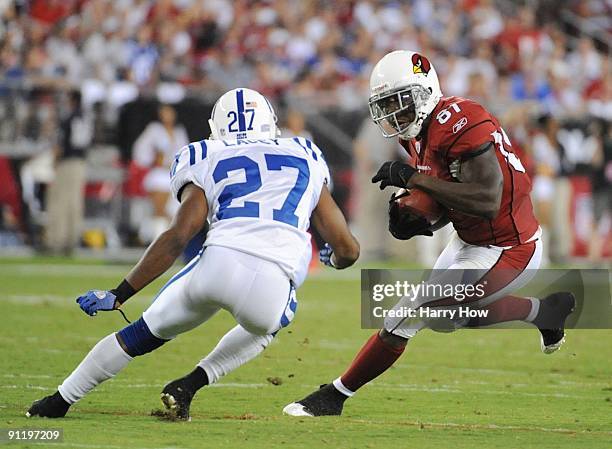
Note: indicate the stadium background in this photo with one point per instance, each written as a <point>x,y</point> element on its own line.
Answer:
<point>543,67</point>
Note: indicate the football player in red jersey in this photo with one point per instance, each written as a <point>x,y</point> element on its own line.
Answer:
<point>459,154</point>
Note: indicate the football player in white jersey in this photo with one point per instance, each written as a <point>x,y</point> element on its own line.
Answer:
<point>259,193</point>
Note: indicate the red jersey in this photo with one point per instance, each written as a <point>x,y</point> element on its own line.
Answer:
<point>458,128</point>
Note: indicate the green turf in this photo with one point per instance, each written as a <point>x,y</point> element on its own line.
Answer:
<point>479,388</point>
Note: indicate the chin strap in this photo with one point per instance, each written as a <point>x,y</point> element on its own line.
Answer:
<point>213,130</point>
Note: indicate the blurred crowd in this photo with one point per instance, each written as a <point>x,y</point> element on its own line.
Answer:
<point>529,62</point>
<point>311,49</point>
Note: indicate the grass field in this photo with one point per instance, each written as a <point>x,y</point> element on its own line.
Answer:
<point>479,388</point>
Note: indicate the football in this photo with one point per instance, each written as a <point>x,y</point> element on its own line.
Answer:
<point>419,203</point>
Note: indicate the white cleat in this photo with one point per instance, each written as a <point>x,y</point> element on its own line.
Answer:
<point>549,349</point>
<point>296,409</point>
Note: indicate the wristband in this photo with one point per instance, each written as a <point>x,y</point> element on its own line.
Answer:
<point>405,173</point>
<point>123,292</point>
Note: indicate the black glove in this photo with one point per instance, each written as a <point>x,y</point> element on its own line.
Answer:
<point>405,226</point>
<point>393,173</point>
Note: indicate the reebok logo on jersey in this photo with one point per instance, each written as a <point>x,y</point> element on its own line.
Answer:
<point>460,124</point>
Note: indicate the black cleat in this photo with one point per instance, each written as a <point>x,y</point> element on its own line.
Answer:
<point>177,397</point>
<point>554,310</point>
<point>53,406</point>
<point>326,401</point>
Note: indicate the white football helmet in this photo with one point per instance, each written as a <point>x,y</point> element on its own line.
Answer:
<point>243,114</point>
<point>404,90</point>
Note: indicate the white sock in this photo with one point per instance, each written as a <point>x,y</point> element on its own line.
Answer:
<point>233,350</point>
<point>342,389</point>
<point>105,360</point>
<point>535,308</point>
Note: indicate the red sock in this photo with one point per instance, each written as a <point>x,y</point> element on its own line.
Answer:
<point>373,359</point>
<point>509,308</point>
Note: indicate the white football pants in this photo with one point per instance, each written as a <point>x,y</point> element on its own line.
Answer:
<point>514,265</point>
<point>255,291</point>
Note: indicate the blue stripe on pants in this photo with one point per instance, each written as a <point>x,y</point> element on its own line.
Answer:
<point>290,308</point>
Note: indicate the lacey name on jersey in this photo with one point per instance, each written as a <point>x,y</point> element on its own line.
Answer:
<point>238,142</point>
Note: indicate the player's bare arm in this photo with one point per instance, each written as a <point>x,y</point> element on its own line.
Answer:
<point>329,221</point>
<point>161,254</point>
<point>480,186</point>
<point>478,191</point>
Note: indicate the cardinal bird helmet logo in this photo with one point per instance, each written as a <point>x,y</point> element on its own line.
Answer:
<point>420,64</point>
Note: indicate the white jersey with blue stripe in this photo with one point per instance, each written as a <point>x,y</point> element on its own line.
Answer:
<point>260,195</point>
